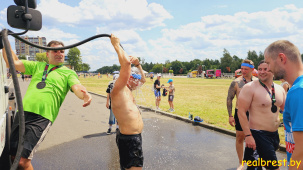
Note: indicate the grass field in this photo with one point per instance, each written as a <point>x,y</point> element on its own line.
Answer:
<point>201,97</point>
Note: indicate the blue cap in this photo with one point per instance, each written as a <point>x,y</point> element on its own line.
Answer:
<point>136,76</point>
<point>170,80</point>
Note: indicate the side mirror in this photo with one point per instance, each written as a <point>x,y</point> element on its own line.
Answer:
<point>31,3</point>
<point>16,18</point>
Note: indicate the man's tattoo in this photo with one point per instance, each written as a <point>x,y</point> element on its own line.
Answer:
<point>230,96</point>
<point>241,83</point>
<point>232,91</point>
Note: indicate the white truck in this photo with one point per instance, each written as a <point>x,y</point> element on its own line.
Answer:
<point>7,110</point>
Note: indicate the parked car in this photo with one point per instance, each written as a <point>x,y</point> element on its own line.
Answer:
<point>210,73</point>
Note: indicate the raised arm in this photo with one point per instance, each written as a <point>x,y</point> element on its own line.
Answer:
<point>125,63</point>
<point>18,64</point>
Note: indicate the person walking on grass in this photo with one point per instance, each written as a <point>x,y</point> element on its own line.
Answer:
<point>151,77</point>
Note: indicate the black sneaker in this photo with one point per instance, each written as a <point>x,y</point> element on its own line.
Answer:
<point>108,131</point>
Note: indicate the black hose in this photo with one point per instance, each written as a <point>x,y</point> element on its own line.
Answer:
<point>60,48</point>
<point>18,98</point>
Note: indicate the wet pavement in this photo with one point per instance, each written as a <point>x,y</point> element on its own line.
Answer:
<point>78,140</point>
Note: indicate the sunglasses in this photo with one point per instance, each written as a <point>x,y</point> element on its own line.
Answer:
<point>55,51</point>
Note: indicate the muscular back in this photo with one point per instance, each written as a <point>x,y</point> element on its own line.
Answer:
<point>126,111</point>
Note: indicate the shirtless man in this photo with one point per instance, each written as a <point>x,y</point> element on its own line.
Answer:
<point>234,89</point>
<point>129,140</point>
<point>262,98</point>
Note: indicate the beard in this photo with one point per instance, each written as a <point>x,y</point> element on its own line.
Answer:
<point>279,74</point>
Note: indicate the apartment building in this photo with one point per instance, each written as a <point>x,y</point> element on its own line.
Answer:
<point>24,49</point>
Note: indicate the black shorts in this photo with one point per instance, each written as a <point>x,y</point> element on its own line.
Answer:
<point>267,143</point>
<point>130,150</point>
<point>36,128</point>
<point>238,125</point>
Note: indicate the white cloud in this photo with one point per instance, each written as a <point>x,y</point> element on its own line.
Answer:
<point>100,52</point>
<point>237,33</point>
<point>1,26</point>
<point>52,34</point>
<point>3,15</point>
<point>206,38</point>
<point>131,14</point>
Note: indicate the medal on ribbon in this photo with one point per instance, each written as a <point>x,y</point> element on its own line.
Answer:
<point>42,83</point>
<point>274,108</point>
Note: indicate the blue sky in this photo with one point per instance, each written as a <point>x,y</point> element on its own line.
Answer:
<point>160,30</point>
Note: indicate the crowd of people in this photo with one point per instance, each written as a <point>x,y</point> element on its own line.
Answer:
<point>259,102</point>
<point>256,116</point>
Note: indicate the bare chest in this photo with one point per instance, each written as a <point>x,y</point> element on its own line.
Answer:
<point>123,97</point>
<point>264,98</point>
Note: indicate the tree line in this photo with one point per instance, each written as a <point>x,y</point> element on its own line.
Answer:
<point>227,64</point>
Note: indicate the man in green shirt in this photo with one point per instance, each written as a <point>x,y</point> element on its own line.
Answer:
<point>45,94</point>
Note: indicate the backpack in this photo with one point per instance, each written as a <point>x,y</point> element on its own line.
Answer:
<point>164,92</point>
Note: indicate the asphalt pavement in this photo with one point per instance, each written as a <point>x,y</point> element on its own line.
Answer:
<point>78,140</point>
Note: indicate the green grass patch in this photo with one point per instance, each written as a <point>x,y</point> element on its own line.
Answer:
<point>201,97</point>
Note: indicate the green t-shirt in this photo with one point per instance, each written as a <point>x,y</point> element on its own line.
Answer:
<point>47,101</point>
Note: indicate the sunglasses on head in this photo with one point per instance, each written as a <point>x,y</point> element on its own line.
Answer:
<point>134,78</point>
<point>55,51</point>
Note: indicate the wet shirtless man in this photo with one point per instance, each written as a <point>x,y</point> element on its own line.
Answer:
<point>128,115</point>
<point>235,87</point>
<point>262,98</point>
